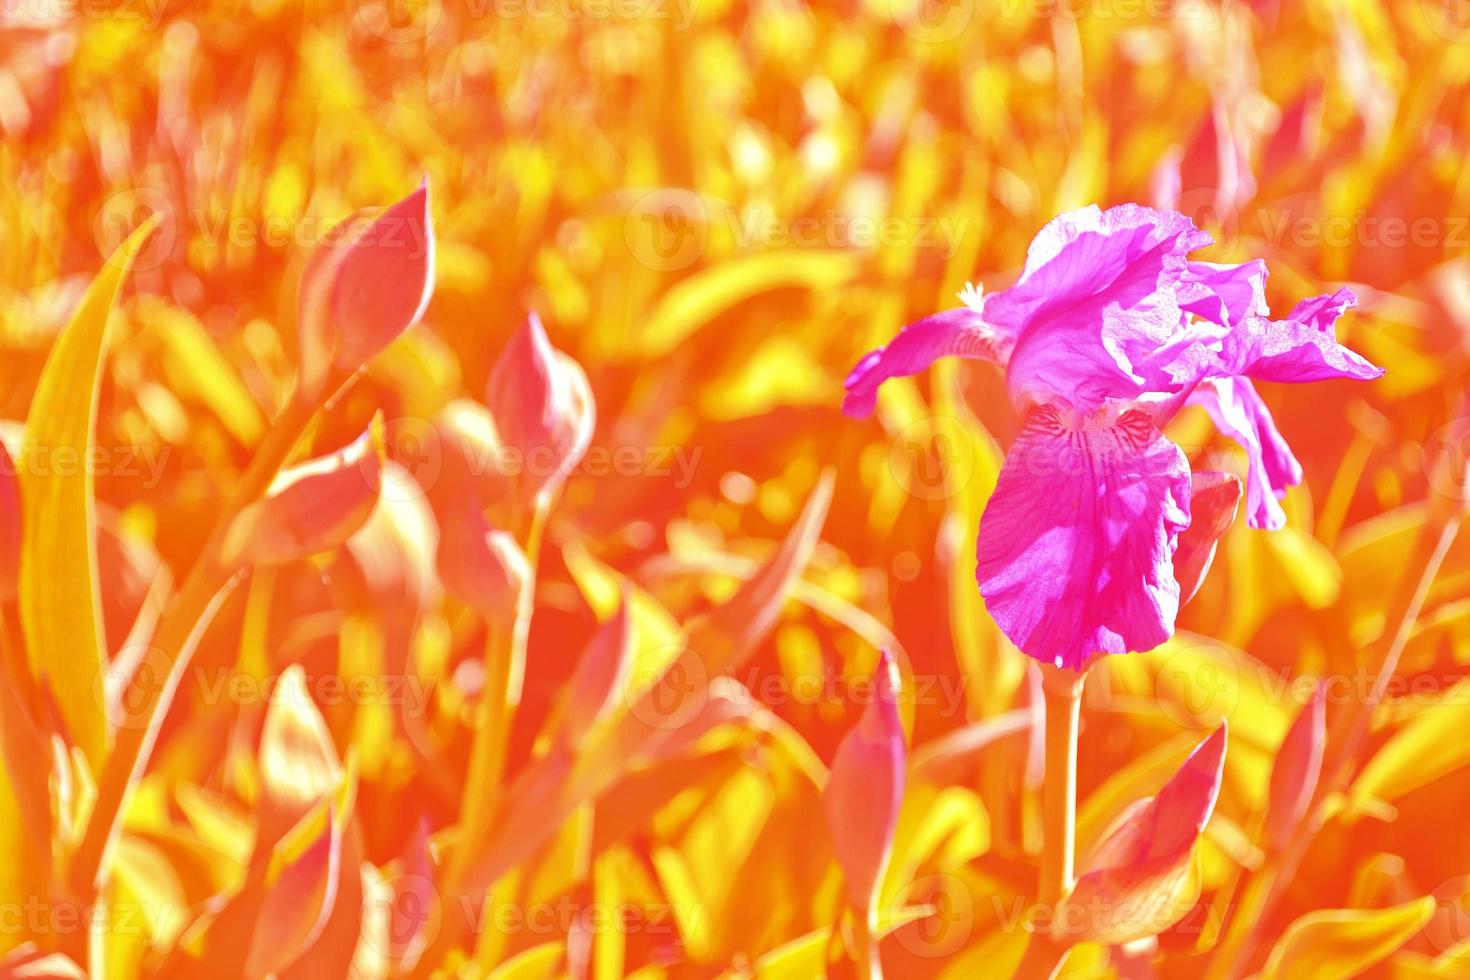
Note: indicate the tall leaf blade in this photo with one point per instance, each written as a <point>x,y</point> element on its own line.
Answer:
<point>58,592</point>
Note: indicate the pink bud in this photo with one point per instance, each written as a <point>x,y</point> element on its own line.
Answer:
<point>484,569</point>
<point>310,508</point>
<point>543,409</point>
<point>363,288</point>
<point>1296,771</point>
<point>865,789</point>
<point>1140,879</point>
<point>1212,505</point>
<point>474,459</point>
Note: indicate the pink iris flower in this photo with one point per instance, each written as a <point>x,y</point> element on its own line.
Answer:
<point>1108,332</point>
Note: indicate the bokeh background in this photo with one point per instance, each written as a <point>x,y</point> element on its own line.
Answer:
<point>716,208</point>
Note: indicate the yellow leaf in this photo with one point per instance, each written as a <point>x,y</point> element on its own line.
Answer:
<point>694,302</point>
<point>59,602</point>
<point>1431,745</point>
<point>1344,942</point>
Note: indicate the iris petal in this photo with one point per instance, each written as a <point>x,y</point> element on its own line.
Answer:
<point>1076,544</point>
<point>1302,347</point>
<point>954,333</point>
<point>1239,412</point>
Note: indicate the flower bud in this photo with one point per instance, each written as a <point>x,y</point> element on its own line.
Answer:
<point>363,288</point>
<point>543,410</point>
<point>313,507</point>
<point>865,790</point>
<point>474,460</point>
<point>1213,498</point>
<point>483,568</point>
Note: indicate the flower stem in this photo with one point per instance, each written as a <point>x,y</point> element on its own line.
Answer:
<point>1063,691</point>
<point>865,952</point>
<point>171,650</point>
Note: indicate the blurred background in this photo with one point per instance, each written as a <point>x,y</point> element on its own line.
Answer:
<point>715,209</point>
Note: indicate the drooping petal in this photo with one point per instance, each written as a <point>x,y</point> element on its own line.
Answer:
<point>1239,413</point>
<point>1076,545</point>
<point>1213,500</point>
<point>959,332</point>
<point>1302,347</point>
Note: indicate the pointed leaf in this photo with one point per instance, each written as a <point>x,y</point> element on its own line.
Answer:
<point>58,587</point>
<point>865,789</point>
<point>1296,770</point>
<point>299,765</point>
<point>1344,942</point>
<point>297,905</point>
<point>600,679</point>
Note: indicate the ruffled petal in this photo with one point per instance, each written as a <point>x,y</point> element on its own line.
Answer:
<point>1225,294</point>
<point>1096,301</point>
<point>1076,545</point>
<point>1239,413</point>
<point>1303,347</point>
<point>954,333</point>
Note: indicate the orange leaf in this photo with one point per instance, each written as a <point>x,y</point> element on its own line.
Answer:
<point>298,904</point>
